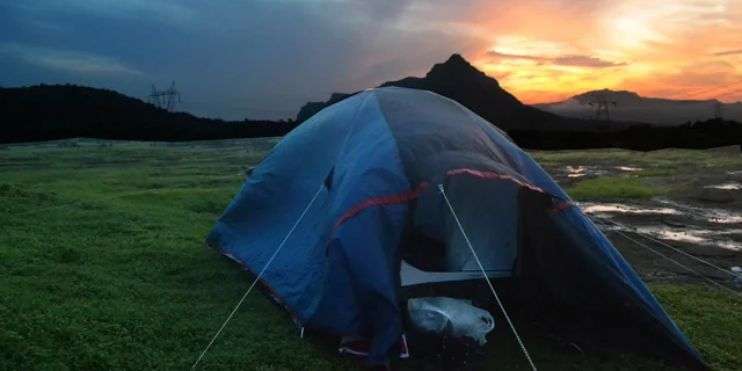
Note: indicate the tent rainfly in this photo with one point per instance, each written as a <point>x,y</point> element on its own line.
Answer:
<point>363,175</point>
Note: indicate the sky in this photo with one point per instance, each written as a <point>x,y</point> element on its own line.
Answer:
<point>265,58</point>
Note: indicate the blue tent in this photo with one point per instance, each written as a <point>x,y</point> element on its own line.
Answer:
<point>361,178</point>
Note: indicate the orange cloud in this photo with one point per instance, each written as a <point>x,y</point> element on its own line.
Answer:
<point>545,51</point>
<point>565,60</point>
<point>728,52</point>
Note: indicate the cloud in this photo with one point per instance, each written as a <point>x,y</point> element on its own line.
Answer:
<point>381,9</point>
<point>695,80</point>
<point>728,52</point>
<point>575,60</point>
<point>585,61</point>
<point>162,11</point>
<point>497,54</point>
<point>265,58</point>
<point>67,60</point>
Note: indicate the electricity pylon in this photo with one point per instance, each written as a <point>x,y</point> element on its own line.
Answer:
<point>602,106</point>
<point>165,99</point>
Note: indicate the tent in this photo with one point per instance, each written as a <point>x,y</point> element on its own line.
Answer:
<point>353,198</point>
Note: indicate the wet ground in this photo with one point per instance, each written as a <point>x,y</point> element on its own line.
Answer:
<point>691,210</point>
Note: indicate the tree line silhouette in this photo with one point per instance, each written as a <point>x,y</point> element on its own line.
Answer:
<point>643,137</point>
<point>47,112</point>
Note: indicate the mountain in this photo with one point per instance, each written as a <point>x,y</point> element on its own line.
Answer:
<point>310,108</point>
<point>46,112</point>
<point>459,80</point>
<point>535,128</point>
<point>630,106</point>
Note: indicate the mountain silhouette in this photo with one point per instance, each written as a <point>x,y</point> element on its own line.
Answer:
<point>457,79</point>
<point>46,112</point>
<point>618,96</point>
<point>630,106</point>
<point>310,108</point>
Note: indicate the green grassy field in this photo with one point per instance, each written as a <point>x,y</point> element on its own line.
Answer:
<point>102,266</point>
<point>657,173</point>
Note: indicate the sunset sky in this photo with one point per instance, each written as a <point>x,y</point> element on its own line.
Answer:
<point>263,59</point>
<point>545,51</point>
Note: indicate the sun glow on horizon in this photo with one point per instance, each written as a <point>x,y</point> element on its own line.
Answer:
<point>673,49</point>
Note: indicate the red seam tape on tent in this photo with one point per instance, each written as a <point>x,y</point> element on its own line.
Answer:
<point>382,200</point>
<point>561,206</point>
<point>493,175</point>
<point>414,193</point>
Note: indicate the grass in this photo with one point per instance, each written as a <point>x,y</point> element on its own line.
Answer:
<point>667,159</point>
<point>612,187</point>
<point>669,172</point>
<point>710,318</point>
<point>102,266</point>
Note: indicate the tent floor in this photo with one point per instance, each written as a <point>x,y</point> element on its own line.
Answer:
<point>561,333</point>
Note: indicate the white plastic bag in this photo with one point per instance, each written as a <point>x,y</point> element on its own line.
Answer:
<point>457,318</point>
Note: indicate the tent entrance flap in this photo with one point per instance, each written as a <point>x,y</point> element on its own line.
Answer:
<point>434,250</point>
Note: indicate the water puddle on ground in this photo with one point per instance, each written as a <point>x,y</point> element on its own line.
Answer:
<point>611,208</point>
<point>628,168</point>
<point>730,186</point>
<point>672,221</point>
<point>703,237</point>
<point>581,171</point>
<point>710,215</point>
<point>576,171</point>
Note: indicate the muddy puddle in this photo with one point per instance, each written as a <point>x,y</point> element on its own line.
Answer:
<point>729,186</point>
<point>572,173</point>
<point>710,233</point>
<point>672,221</point>
<point>699,214</point>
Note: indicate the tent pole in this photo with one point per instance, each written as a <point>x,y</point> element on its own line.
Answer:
<point>484,274</point>
<point>258,277</point>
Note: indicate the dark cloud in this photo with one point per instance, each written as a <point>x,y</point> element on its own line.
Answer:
<point>565,60</point>
<point>258,59</point>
